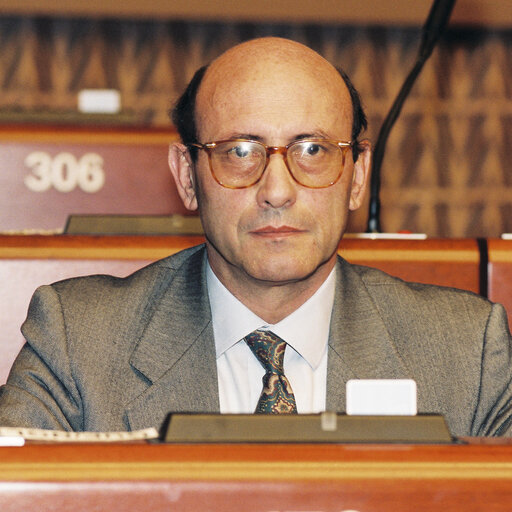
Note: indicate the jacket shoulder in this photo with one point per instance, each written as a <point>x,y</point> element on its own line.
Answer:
<point>99,307</point>
<point>413,311</point>
<point>374,278</point>
<point>148,273</point>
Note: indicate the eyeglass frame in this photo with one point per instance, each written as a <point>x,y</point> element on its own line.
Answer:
<point>271,150</point>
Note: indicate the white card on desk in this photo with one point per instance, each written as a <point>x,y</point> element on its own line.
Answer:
<point>11,441</point>
<point>381,397</point>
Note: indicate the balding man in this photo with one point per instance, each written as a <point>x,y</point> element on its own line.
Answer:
<point>271,158</point>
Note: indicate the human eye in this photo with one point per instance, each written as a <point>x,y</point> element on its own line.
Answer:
<point>314,149</point>
<point>239,156</point>
<point>241,150</point>
<point>310,151</point>
<point>312,157</point>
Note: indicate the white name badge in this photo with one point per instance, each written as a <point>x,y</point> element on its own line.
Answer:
<point>381,397</point>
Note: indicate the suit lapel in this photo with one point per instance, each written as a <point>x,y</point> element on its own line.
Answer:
<point>176,353</point>
<point>359,344</point>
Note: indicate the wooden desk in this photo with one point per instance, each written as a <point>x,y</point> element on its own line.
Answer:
<point>49,173</point>
<point>445,262</point>
<point>257,478</point>
<point>29,261</point>
<point>500,273</point>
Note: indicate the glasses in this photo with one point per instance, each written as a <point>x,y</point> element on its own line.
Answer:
<point>240,163</point>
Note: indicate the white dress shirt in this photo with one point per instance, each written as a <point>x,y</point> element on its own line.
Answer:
<point>306,331</point>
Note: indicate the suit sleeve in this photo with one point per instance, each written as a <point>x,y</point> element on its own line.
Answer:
<point>493,416</point>
<point>40,391</point>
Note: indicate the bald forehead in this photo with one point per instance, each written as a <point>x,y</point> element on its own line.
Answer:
<point>269,56</point>
<point>272,51</point>
<point>270,64</point>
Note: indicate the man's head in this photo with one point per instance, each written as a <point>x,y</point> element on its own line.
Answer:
<point>184,117</point>
<point>275,232</point>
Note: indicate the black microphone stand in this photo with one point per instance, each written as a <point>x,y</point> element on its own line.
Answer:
<point>434,26</point>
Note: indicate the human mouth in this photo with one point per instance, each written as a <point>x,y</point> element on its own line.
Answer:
<point>276,231</point>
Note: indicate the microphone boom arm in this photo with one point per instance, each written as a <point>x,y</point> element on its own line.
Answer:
<point>434,26</point>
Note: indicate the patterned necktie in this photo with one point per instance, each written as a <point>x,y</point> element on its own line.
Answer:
<point>277,395</point>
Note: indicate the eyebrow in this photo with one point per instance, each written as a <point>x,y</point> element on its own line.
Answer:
<point>250,136</point>
<point>315,135</point>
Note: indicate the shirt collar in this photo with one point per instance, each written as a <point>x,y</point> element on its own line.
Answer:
<point>306,330</point>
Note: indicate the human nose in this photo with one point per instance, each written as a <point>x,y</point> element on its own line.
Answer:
<point>277,189</point>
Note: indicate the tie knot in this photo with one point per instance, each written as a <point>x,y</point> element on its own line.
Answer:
<point>268,348</point>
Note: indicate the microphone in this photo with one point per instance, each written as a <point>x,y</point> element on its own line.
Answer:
<point>434,26</point>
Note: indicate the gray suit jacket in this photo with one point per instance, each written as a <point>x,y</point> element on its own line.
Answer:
<point>107,353</point>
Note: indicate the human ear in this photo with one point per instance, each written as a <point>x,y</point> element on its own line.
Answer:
<point>360,174</point>
<point>182,171</point>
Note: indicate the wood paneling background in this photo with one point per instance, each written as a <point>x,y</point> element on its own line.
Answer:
<point>447,168</point>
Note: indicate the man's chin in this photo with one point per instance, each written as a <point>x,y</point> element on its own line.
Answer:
<point>283,272</point>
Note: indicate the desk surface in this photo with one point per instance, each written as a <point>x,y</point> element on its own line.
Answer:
<point>364,478</point>
<point>360,250</point>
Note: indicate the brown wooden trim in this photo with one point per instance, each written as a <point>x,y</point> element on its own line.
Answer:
<point>136,247</point>
<point>497,13</point>
<point>242,471</point>
<point>87,134</point>
<point>255,462</point>
<point>433,250</point>
<point>93,247</point>
<point>500,251</point>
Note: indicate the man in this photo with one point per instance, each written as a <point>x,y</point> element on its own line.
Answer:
<point>271,160</point>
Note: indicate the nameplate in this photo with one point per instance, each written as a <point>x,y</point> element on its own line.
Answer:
<point>133,225</point>
<point>327,427</point>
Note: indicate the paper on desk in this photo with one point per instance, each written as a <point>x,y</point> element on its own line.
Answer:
<point>36,434</point>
